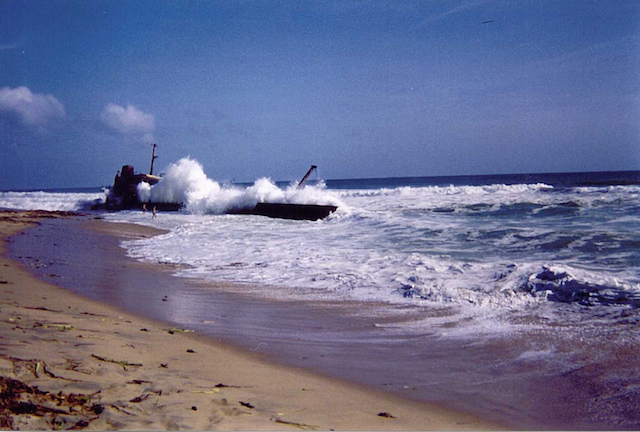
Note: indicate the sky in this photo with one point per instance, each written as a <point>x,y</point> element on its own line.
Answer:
<point>361,88</point>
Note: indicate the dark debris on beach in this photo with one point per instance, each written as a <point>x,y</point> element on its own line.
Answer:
<point>68,411</point>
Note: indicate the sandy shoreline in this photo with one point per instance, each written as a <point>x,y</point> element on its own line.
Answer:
<point>103,368</point>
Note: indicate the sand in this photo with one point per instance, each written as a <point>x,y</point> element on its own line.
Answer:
<point>67,362</point>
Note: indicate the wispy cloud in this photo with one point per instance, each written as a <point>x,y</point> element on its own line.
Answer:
<point>463,7</point>
<point>591,54</point>
<point>351,5</point>
<point>33,109</point>
<point>9,46</point>
<point>585,62</point>
<point>129,121</point>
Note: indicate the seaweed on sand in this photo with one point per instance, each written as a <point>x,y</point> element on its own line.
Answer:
<point>20,399</point>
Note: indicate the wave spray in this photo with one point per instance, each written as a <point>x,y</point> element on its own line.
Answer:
<point>185,182</point>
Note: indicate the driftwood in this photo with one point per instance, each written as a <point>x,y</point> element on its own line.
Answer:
<point>298,425</point>
<point>122,363</point>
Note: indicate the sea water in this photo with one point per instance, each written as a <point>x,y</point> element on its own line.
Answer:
<point>514,294</point>
<point>498,249</point>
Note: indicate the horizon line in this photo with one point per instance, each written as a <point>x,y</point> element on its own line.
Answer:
<point>61,189</point>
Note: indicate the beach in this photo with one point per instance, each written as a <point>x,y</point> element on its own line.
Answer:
<point>68,362</point>
<point>463,251</point>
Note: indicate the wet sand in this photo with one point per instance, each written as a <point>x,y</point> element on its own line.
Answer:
<point>67,361</point>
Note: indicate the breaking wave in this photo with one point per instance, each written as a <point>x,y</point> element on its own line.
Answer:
<point>514,285</point>
<point>557,284</point>
<point>409,191</point>
<point>186,182</point>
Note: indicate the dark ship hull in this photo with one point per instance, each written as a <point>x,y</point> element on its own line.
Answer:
<point>289,211</point>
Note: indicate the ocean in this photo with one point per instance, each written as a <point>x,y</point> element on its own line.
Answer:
<point>549,260</point>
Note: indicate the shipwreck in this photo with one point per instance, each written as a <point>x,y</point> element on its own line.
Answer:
<point>124,196</point>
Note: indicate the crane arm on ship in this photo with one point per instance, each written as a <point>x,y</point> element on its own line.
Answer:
<point>306,176</point>
<point>153,157</point>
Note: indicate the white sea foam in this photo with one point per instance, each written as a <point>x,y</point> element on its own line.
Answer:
<point>408,191</point>
<point>485,251</point>
<point>52,201</point>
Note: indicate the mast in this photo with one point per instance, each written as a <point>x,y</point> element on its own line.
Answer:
<point>306,176</point>
<point>153,157</point>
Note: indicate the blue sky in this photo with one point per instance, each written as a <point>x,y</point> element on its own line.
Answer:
<point>360,88</point>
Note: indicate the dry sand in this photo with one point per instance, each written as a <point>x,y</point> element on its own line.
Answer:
<point>67,362</point>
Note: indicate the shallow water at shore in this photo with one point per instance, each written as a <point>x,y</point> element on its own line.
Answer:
<point>557,376</point>
<point>67,362</point>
